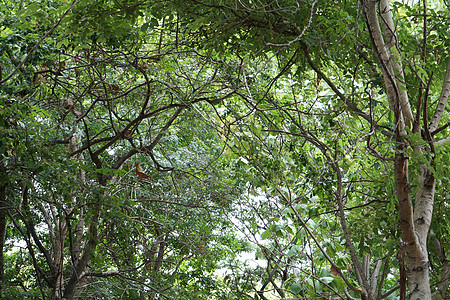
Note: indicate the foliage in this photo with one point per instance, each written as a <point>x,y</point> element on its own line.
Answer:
<point>147,146</point>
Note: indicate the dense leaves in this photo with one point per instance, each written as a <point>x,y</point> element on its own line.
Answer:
<point>222,149</point>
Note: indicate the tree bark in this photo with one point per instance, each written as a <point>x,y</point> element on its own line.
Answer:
<point>391,39</point>
<point>414,221</point>
<point>414,226</point>
<point>417,256</point>
<point>81,266</point>
<point>58,258</point>
<point>442,100</point>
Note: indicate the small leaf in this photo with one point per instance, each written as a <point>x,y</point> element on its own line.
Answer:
<point>296,288</point>
<point>293,251</point>
<point>286,211</point>
<point>145,26</point>
<point>289,229</point>
<point>266,234</point>
<point>327,280</point>
<point>334,271</point>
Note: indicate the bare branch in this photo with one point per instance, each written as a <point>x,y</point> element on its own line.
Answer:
<point>302,33</point>
<point>440,108</point>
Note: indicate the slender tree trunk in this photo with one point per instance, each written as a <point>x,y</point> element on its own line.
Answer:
<point>415,219</point>
<point>58,253</point>
<point>414,226</point>
<point>417,256</point>
<point>82,264</point>
<point>79,258</point>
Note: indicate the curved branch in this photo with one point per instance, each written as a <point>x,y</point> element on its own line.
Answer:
<point>442,102</point>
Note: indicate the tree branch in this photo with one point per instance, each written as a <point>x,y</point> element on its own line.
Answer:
<point>440,108</point>
<point>391,39</point>
<point>344,99</point>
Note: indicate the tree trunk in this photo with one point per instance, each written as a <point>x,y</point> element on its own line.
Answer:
<point>58,258</point>
<point>414,226</point>
<point>82,264</point>
<point>417,256</point>
<point>414,220</point>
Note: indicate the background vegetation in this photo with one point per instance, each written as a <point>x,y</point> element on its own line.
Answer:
<point>224,149</point>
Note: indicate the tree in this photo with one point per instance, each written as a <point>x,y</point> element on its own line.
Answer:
<point>154,117</point>
<point>355,50</point>
<point>104,177</point>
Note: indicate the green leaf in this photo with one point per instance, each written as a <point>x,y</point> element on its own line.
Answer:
<point>327,280</point>
<point>296,288</point>
<point>266,234</point>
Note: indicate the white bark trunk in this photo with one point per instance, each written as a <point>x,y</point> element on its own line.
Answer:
<point>414,221</point>
<point>391,39</point>
<point>442,100</point>
<point>417,255</point>
<point>370,12</point>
